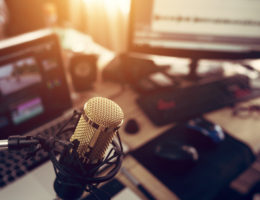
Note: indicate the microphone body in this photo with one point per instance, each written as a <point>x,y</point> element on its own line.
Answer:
<point>94,132</point>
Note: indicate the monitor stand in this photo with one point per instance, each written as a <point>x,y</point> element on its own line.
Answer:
<point>193,75</point>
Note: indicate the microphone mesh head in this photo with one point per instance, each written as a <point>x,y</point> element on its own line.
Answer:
<point>106,114</point>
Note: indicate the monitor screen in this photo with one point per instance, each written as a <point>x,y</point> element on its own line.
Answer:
<point>33,87</point>
<point>198,29</point>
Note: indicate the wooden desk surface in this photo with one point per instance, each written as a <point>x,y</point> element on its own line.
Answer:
<point>126,100</point>
<point>246,130</point>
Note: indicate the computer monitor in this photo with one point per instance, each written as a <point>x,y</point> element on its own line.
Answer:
<point>196,29</point>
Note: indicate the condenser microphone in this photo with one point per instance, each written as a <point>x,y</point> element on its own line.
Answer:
<point>99,122</point>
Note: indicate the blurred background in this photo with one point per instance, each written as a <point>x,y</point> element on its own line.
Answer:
<point>104,20</point>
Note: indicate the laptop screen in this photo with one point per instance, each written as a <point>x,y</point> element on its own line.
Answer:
<point>33,87</point>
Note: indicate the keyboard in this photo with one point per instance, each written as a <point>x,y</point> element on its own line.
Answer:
<point>185,103</point>
<point>13,164</point>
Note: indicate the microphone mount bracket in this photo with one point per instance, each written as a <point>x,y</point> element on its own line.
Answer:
<point>84,178</point>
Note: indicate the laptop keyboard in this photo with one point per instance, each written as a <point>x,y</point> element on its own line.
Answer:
<point>13,164</point>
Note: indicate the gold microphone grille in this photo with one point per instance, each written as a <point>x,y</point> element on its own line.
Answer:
<point>104,113</point>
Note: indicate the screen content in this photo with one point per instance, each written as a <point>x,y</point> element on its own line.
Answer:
<point>232,26</point>
<point>18,75</point>
<point>33,86</point>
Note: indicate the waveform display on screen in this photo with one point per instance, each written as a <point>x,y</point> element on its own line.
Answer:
<point>18,75</point>
<point>185,19</point>
<point>50,64</point>
<point>27,110</point>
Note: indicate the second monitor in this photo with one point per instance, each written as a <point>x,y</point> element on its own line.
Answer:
<point>195,29</point>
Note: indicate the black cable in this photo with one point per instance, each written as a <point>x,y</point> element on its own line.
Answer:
<point>83,178</point>
<point>53,145</point>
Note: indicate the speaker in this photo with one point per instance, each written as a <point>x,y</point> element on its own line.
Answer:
<point>83,71</point>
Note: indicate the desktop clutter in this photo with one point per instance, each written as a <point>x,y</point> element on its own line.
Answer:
<point>196,158</point>
<point>193,150</point>
<point>189,157</point>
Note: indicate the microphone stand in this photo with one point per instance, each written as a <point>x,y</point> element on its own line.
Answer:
<point>18,142</point>
<point>67,179</point>
<point>71,174</point>
<point>3,144</point>
<point>73,178</point>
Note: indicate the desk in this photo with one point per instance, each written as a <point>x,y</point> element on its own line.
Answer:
<point>245,130</point>
<point>242,129</point>
<point>148,131</point>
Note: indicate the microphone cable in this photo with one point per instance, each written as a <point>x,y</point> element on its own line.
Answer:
<point>108,167</point>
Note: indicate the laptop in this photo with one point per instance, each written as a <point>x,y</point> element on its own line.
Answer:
<point>34,94</point>
<point>34,98</point>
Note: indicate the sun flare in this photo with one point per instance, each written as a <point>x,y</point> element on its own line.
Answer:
<point>123,5</point>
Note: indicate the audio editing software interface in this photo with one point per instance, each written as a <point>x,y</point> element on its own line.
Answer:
<point>190,24</point>
<point>32,85</point>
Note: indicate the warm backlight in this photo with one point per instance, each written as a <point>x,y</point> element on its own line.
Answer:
<point>123,5</point>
